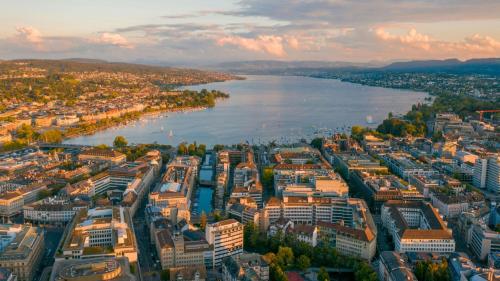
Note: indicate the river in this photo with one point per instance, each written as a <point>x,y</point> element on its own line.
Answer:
<point>265,108</point>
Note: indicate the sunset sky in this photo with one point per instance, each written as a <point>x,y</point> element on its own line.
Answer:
<point>209,31</point>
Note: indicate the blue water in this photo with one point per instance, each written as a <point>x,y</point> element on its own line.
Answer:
<point>266,108</point>
<point>204,200</point>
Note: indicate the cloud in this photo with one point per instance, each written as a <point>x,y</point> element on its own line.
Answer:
<point>412,38</point>
<point>471,46</point>
<point>29,34</point>
<point>272,45</point>
<point>368,12</point>
<point>113,39</point>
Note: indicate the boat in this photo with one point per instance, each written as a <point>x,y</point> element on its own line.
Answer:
<point>170,134</point>
<point>369,119</point>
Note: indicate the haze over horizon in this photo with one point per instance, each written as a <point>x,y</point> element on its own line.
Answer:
<point>221,31</point>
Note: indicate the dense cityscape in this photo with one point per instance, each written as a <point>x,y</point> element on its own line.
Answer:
<point>412,199</point>
<point>250,140</point>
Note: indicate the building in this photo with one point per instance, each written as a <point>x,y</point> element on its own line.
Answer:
<point>21,250</point>
<point>452,205</point>
<point>347,163</point>
<point>12,202</point>
<point>354,242</point>
<point>248,266</point>
<point>311,210</point>
<point>416,226</point>
<point>404,166</point>
<point>177,250</point>
<point>109,268</point>
<point>173,195</point>
<point>102,154</point>
<point>487,173</point>
<point>483,240</point>
<point>226,238</point>
<point>191,273</point>
<point>376,189</point>
<point>392,267</point>
<point>52,210</point>
<point>99,232</point>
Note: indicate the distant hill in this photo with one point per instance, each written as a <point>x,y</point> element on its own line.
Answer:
<point>476,66</point>
<point>285,67</point>
<point>82,64</point>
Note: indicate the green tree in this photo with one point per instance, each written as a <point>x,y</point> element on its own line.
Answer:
<point>27,133</point>
<point>323,275</point>
<point>276,273</point>
<point>303,262</point>
<point>120,141</point>
<point>210,100</point>
<point>182,149</point>
<point>102,146</point>
<point>285,257</point>
<point>51,136</point>
<point>165,275</point>
<point>317,143</point>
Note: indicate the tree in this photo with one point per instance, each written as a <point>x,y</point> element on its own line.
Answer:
<point>277,273</point>
<point>102,146</point>
<point>52,136</point>
<point>203,220</point>
<point>303,262</point>
<point>120,141</point>
<point>210,100</point>
<point>323,275</point>
<point>165,275</point>
<point>285,257</point>
<point>317,143</point>
<point>192,149</point>
<point>27,133</point>
<point>182,149</point>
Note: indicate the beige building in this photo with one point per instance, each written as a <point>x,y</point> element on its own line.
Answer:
<point>99,232</point>
<point>175,250</point>
<point>99,154</point>
<point>21,249</point>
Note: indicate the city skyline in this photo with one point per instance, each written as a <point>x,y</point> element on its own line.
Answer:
<point>218,31</point>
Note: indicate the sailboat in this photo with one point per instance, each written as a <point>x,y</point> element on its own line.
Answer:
<point>170,134</point>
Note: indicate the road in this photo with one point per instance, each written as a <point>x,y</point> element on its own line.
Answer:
<point>147,254</point>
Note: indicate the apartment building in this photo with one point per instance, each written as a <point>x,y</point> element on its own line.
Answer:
<point>52,210</point>
<point>173,195</point>
<point>250,267</point>
<point>21,249</point>
<point>102,154</point>
<point>392,267</point>
<point>226,238</point>
<point>487,173</point>
<point>404,166</point>
<point>12,202</point>
<point>348,163</point>
<point>354,242</point>
<point>177,250</point>
<point>483,240</point>
<point>99,232</point>
<point>416,226</point>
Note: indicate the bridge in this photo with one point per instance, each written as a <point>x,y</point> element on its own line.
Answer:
<point>61,145</point>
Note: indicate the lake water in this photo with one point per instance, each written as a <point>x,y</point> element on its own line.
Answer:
<point>265,108</point>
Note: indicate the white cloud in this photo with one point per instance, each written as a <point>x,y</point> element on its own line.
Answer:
<point>270,44</point>
<point>113,39</point>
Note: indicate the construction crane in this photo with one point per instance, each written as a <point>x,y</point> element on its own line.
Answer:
<point>481,112</point>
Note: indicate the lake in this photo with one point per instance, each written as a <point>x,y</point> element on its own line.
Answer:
<point>265,108</point>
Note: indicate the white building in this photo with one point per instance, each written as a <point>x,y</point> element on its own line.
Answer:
<point>487,173</point>
<point>226,237</point>
<point>416,227</point>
